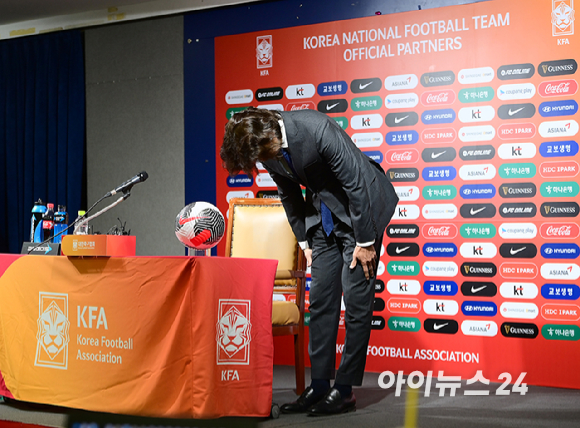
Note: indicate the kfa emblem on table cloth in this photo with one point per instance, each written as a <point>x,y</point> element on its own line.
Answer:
<point>234,332</point>
<point>53,331</point>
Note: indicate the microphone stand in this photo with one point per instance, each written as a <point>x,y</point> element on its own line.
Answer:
<point>107,208</point>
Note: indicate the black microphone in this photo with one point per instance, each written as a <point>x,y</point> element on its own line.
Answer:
<point>127,185</point>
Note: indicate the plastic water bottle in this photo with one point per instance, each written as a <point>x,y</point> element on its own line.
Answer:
<point>36,221</point>
<point>48,223</point>
<point>60,223</point>
<point>84,229</point>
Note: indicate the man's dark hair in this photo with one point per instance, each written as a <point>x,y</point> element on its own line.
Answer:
<point>249,137</point>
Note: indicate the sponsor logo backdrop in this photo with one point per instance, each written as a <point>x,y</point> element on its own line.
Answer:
<point>471,111</point>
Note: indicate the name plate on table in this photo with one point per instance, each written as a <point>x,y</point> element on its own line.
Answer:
<point>98,245</point>
<point>40,250</point>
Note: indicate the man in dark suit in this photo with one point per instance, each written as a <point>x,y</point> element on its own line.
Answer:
<point>339,225</point>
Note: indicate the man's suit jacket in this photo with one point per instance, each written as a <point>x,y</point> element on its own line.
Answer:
<point>330,166</point>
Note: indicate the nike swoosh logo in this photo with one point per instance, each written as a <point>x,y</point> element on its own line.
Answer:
<point>182,221</point>
<point>473,212</point>
<point>440,326</point>
<point>400,250</point>
<point>478,289</point>
<point>512,252</point>
<point>511,113</point>
<point>361,86</point>
<point>436,155</point>
<point>331,107</point>
<point>400,119</point>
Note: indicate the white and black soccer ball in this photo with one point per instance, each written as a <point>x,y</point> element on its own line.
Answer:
<point>200,225</point>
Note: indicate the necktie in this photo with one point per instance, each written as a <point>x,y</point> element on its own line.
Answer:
<point>327,221</point>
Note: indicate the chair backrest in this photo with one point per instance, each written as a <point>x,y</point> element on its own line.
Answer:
<point>258,228</point>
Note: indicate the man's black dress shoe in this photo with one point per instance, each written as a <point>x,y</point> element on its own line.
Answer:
<point>303,403</point>
<point>333,404</point>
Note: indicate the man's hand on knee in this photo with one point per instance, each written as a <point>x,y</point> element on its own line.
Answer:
<point>367,256</point>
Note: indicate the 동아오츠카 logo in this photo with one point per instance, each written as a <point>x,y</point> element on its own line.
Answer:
<point>264,51</point>
<point>233,332</point>
<point>53,331</point>
<point>562,17</point>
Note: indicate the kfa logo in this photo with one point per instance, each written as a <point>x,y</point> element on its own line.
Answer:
<point>53,331</point>
<point>264,51</point>
<point>233,332</point>
<point>562,17</point>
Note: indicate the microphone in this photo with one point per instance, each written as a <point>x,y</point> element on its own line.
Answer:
<point>127,185</point>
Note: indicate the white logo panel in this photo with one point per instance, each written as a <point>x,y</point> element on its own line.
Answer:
<point>518,310</point>
<point>447,269</point>
<point>52,334</point>
<point>233,331</point>
<point>403,81</point>
<point>518,290</point>
<point>440,307</point>
<point>404,286</point>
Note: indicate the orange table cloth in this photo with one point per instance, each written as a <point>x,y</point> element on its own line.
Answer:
<point>154,336</point>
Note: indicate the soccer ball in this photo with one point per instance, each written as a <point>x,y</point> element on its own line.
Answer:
<point>200,225</point>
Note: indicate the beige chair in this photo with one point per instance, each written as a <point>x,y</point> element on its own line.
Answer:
<point>259,229</point>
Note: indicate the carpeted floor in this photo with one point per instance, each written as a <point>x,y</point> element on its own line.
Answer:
<point>539,408</point>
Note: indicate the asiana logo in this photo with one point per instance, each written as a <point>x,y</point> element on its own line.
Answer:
<point>264,51</point>
<point>233,332</point>
<point>53,331</point>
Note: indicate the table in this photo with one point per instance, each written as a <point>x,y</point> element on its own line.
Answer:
<point>154,336</point>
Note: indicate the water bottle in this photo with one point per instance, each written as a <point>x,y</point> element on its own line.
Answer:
<point>83,230</point>
<point>48,223</point>
<point>36,221</point>
<point>60,223</point>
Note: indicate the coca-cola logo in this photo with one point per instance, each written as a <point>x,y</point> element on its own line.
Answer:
<point>444,97</point>
<point>556,88</point>
<point>301,106</point>
<point>402,156</point>
<point>440,231</point>
<point>560,230</point>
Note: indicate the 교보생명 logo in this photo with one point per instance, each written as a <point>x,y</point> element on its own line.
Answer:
<point>53,331</point>
<point>233,332</point>
<point>562,17</point>
<point>264,51</point>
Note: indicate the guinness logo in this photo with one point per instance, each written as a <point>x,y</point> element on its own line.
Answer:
<point>478,269</point>
<point>519,330</point>
<point>559,209</point>
<point>438,78</point>
<point>518,190</point>
<point>402,174</point>
<point>558,68</point>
